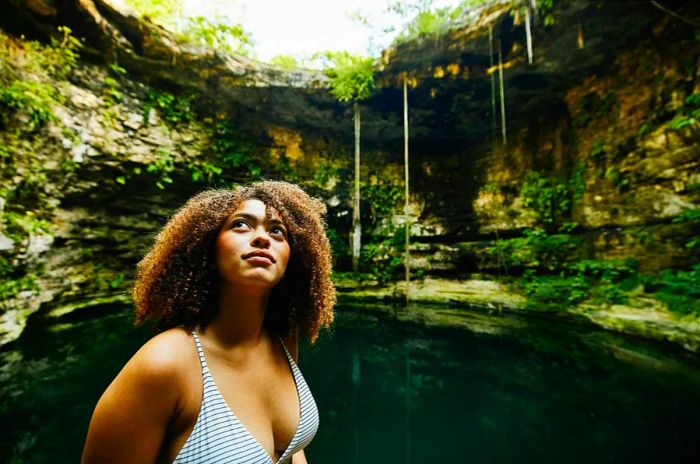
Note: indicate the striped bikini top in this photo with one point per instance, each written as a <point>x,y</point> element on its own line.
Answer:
<point>219,437</point>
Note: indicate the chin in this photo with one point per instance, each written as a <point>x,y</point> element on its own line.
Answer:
<point>257,279</point>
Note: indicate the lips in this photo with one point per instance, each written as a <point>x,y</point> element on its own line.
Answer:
<point>260,254</point>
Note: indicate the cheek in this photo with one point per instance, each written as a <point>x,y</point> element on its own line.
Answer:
<point>226,247</point>
<point>284,254</point>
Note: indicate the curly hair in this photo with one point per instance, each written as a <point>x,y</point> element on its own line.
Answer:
<point>176,282</point>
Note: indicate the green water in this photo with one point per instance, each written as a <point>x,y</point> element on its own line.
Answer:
<point>393,392</point>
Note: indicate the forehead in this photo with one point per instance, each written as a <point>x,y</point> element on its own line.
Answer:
<point>256,208</point>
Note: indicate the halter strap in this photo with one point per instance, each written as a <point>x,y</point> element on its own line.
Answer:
<point>200,351</point>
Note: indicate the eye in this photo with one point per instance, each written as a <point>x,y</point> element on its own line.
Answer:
<point>278,230</point>
<point>238,224</point>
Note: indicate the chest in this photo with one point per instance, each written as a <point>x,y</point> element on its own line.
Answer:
<point>260,391</point>
<point>265,400</point>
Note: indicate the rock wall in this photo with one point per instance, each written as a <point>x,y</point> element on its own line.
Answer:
<point>597,107</point>
<point>141,122</point>
<point>97,152</point>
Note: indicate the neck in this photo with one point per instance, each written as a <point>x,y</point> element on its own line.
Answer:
<point>241,315</point>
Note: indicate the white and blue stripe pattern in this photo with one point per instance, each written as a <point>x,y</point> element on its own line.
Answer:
<point>219,437</point>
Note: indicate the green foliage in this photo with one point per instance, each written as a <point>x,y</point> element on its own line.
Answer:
<point>383,254</point>
<point>162,167</point>
<point>620,182</point>
<point>233,150</point>
<point>63,54</point>
<point>383,198</point>
<point>112,94</point>
<point>693,242</point>
<point>610,271</point>
<point>598,150</point>
<point>688,115</point>
<point>19,224</point>
<point>351,77</point>
<point>341,249</point>
<point>608,281</point>
<point>427,23</point>
<point>285,62</point>
<point>538,250</point>
<point>26,208</point>
<point>692,216</point>
<point>32,98</point>
<point>173,108</point>
<point>609,294</point>
<point>679,289</point>
<point>323,172</point>
<point>680,121</point>
<point>689,215</point>
<point>550,199</point>
<point>56,59</point>
<point>103,278</point>
<point>13,280</point>
<point>218,35</point>
<point>577,184</point>
<point>421,19</point>
<point>164,12</point>
<point>124,178</point>
<point>604,281</point>
<point>117,281</point>
<point>644,130</point>
<point>553,292</point>
<point>68,165</point>
<point>229,151</point>
<point>23,89</point>
<point>205,172</point>
<point>30,189</point>
<point>546,8</point>
<point>287,171</point>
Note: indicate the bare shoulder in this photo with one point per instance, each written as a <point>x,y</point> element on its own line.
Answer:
<point>167,354</point>
<point>132,416</point>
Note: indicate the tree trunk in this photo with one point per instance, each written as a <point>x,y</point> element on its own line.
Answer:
<point>405,208</point>
<point>528,32</point>
<point>356,224</point>
<point>493,87</point>
<point>503,94</point>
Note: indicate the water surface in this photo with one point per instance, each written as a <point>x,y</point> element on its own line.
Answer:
<point>393,392</point>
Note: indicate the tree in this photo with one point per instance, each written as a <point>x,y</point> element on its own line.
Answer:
<point>530,13</point>
<point>285,62</point>
<point>218,34</point>
<point>352,79</point>
<point>407,224</point>
<point>502,92</point>
<point>164,12</point>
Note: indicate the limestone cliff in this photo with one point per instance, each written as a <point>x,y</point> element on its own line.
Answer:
<point>140,121</point>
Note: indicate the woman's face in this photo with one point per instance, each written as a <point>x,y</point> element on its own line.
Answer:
<point>252,249</point>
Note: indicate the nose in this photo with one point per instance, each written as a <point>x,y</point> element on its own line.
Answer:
<point>260,239</point>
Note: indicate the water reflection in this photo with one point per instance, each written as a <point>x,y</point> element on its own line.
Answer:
<point>401,393</point>
<point>432,395</point>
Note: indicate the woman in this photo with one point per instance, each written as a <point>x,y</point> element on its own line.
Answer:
<point>233,279</point>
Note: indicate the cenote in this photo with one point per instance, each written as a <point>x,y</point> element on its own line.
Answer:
<point>400,392</point>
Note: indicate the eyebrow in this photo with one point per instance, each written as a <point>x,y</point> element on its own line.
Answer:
<point>253,218</point>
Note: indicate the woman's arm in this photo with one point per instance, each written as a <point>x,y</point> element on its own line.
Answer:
<point>132,416</point>
<point>299,458</point>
